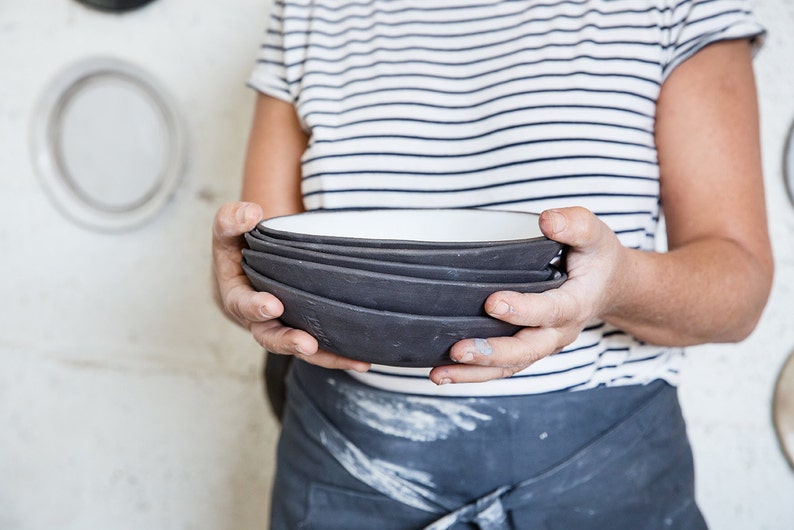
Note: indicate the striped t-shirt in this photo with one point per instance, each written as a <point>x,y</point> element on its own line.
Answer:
<point>514,105</point>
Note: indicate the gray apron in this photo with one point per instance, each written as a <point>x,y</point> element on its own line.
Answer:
<point>351,456</point>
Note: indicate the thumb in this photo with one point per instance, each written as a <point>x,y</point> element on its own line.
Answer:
<point>234,219</point>
<point>574,226</point>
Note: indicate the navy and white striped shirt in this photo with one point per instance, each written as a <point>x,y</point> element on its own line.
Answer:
<point>506,104</point>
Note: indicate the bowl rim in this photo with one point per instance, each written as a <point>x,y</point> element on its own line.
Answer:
<point>265,227</point>
<point>557,276</point>
<point>478,254</point>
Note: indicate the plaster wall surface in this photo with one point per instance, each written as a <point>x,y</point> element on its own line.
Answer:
<point>128,402</point>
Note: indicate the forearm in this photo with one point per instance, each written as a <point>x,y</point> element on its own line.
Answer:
<point>710,290</point>
<point>713,284</point>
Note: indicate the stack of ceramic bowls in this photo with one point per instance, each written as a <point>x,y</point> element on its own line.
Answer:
<point>399,287</point>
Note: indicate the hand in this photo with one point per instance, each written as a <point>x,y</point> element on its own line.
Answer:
<point>553,319</point>
<point>258,312</point>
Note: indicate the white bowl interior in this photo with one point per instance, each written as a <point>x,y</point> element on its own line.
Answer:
<point>414,225</point>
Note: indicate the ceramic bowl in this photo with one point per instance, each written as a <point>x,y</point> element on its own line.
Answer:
<point>382,337</point>
<point>259,255</point>
<point>405,228</point>
<point>391,292</point>
<point>529,254</point>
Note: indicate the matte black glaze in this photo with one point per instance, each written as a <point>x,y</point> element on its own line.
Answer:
<point>532,254</point>
<point>382,337</point>
<point>390,292</point>
<point>259,253</point>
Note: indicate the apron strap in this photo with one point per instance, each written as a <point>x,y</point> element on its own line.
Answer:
<point>487,512</point>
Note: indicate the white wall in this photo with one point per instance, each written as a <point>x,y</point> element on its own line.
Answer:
<point>128,402</point>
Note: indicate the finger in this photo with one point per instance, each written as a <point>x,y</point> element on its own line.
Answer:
<point>444,375</point>
<point>238,297</point>
<point>552,308</point>
<point>522,349</point>
<point>574,226</point>
<point>234,219</point>
<point>495,358</point>
<point>278,338</point>
<point>231,221</point>
<point>332,361</point>
<point>247,305</point>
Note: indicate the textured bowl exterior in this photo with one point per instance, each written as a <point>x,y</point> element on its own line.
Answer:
<point>380,337</point>
<point>390,292</point>
<point>260,251</point>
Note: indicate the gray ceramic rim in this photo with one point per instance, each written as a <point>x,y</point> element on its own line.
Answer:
<point>46,161</point>
<point>783,409</point>
<point>788,165</point>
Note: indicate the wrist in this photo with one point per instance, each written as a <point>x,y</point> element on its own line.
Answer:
<point>623,283</point>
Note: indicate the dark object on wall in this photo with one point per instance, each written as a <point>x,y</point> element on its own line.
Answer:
<point>114,6</point>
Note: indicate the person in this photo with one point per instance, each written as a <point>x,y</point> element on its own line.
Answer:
<point>615,120</point>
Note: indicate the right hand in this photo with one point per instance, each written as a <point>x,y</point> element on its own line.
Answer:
<point>258,312</point>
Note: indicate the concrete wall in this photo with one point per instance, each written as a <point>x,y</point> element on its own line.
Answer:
<point>128,402</point>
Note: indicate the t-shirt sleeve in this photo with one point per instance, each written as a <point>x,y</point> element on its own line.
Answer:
<point>269,75</point>
<point>695,24</point>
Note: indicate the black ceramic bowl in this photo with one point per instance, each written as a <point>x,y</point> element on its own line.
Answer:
<point>259,254</point>
<point>381,337</point>
<point>390,292</point>
<point>529,254</point>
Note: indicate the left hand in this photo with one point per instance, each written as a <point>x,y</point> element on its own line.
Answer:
<point>553,319</point>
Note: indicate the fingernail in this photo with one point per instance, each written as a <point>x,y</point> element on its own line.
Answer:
<point>501,308</point>
<point>558,221</point>
<point>299,350</point>
<point>241,213</point>
<point>465,358</point>
<point>444,381</point>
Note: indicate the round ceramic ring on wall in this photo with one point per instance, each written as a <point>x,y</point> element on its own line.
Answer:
<point>108,144</point>
<point>783,408</point>
<point>788,164</point>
